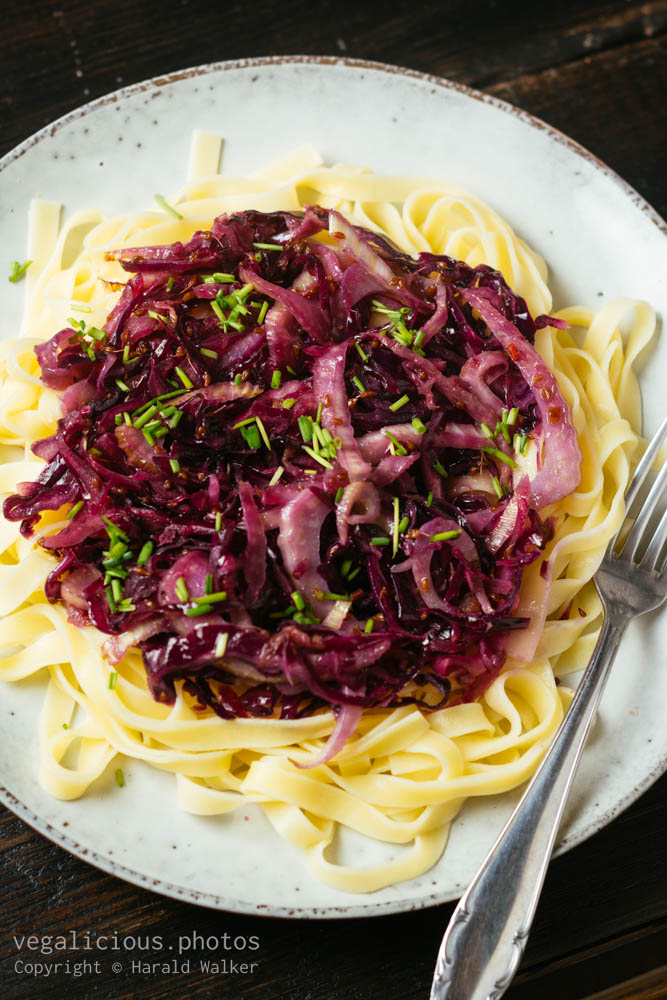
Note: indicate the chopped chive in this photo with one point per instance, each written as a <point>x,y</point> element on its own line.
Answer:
<point>268,246</point>
<point>355,572</point>
<point>158,316</point>
<point>429,500</point>
<point>160,433</point>
<point>167,208</point>
<point>512,415</point>
<point>346,567</point>
<point>399,403</point>
<point>505,431</point>
<point>306,428</point>
<point>18,270</point>
<point>368,627</point>
<point>120,777</point>
<point>212,598</point>
<point>403,526</point>
<point>250,434</point>
<point>309,472</point>
<point>486,431</point>
<point>208,586</point>
<point>297,600</point>
<point>114,529</point>
<point>146,416</point>
<point>113,680</point>
<point>73,511</point>
<point>361,352</point>
<point>262,313</point>
<point>318,458</point>
<point>116,589</point>
<point>262,431</point>
<point>149,437</point>
<point>396,446</point>
<point>65,726</point>
<point>127,418</point>
<point>199,609</point>
<point>91,353</point>
<point>208,353</point>
<point>440,469</point>
<point>80,307</point>
<point>127,360</point>
<point>394,534</point>
<point>182,589</point>
<point>118,419</point>
<point>335,597</point>
<point>516,442</point>
<point>174,465</point>
<point>500,456</point>
<point>170,283</point>
<point>291,371</point>
<point>318,418</point>
<point>287,404</point>
<point>444,536</point>
<point>497,487</point>
<point>339,494</point>
<point>275,478</point>
<point>145,553</point>
<point>217,309</point>
<point>524,443</point>
<point>275,379</point>
<point>110,600</point>
<point>218,521</point>
<point>221,278</point>
<point>418,425</point>
<point>221,644</point>
<point>403,337</point>
<point>237,380</point>
<point>153,425</point>
<point>419,339</point>
<point>115,573</point>
<point>379,540</point>
<point>359,384</point>
<point>183,377</point>
<point>117,550</point>
<point>123,386</point>
<point>126,606</point>
<point>319,440</point>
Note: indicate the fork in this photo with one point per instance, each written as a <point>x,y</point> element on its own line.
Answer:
<point>487,933</point>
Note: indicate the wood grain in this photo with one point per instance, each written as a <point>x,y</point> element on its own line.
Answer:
<point>597,69</point>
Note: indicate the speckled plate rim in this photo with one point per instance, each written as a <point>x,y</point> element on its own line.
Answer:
<point>368,908</point>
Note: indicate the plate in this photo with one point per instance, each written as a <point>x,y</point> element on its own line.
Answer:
<point>599,238</point>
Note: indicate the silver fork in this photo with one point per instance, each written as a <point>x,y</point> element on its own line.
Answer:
<point>487,933</point>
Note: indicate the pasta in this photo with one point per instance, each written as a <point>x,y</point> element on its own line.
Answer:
<point>404,775</point>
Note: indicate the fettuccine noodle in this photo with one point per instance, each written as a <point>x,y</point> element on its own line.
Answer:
<point>405,774</point>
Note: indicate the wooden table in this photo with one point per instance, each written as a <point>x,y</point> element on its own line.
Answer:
<point>596,70</point>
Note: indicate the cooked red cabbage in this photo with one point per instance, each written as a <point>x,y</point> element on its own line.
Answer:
<point>294,459</point>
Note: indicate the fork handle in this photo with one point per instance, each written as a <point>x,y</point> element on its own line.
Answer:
<point>487,933</point>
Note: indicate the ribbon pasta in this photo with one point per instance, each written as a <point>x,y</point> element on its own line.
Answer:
<point>404,775</point>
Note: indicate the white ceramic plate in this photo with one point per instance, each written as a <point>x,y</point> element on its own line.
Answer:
<point>600,240</point>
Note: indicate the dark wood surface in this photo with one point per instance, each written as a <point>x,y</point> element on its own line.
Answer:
<point>597,71</point>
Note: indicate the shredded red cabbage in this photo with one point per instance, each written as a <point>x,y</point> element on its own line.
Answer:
<point>294,457</point>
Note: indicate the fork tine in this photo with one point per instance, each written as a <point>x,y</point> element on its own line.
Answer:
<point>629,549</point>
<point>652,554</point>
<point>646,463</point>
